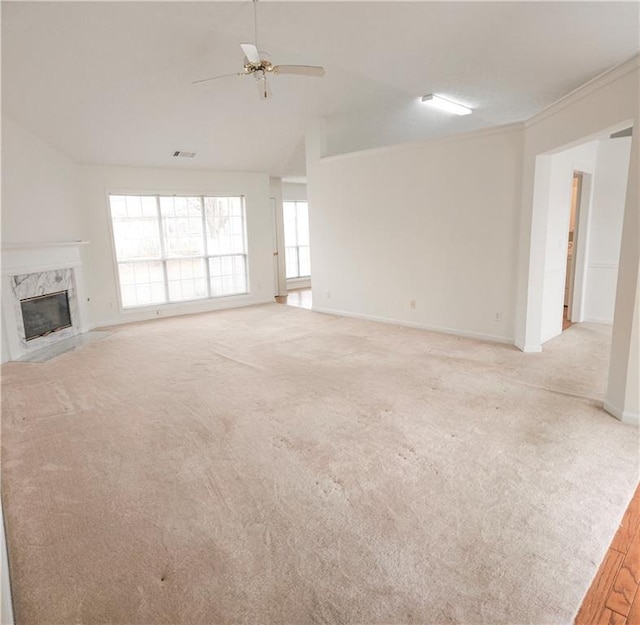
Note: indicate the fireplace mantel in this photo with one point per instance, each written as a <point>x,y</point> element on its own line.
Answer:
<point>32,244</point>
<point>28,258</point>
<point>32,257</point>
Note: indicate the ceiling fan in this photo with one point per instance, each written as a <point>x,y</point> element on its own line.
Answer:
<point>259,68</point>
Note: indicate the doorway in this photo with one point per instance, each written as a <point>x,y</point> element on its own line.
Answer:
<point>297,244</point>
<point>570,275</point>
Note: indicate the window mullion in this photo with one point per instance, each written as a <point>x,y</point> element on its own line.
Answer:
<point>162,251</point>
<point>134,234</point>
<point>298,235</point>
<point>206,246</point>
<point>245,242</point>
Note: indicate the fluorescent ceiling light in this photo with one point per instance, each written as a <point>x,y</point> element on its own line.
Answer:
<point>445,105</point>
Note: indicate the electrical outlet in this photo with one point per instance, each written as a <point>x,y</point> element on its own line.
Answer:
<point>328,294</point>
<point>498,316</point>
<point>412,304</point>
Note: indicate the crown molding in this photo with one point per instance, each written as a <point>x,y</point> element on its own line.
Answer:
<point>427,143</point>
<point>596,83</point>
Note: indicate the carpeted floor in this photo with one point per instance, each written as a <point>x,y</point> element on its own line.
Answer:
<point>276,466</point>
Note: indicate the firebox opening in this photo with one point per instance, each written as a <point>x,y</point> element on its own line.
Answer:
<point>45,314</point>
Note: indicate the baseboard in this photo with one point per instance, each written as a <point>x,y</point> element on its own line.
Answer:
<point>6,605</point>
<point>527,348</point>
<point>607,322</point>
<point>411,324</point>
<point>626,416</point>
<point>530,349</point>
<point>166,313</point>
<point>298,283</point>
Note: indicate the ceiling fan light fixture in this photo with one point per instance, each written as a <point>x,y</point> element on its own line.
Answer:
<point>255,64</point>
<point>443,104</point>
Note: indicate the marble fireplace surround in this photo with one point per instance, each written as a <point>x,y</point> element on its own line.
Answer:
<point>31,269</point>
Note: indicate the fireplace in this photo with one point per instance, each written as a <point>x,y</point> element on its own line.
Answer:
<point>45,314</point>
<point>43,296</point>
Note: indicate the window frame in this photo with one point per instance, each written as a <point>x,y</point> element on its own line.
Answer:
<point>163,259</point>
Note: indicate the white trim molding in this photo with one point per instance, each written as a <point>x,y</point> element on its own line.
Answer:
<point>531,349</point>
<point>603,266</point>
<point>601,320</point>
<point>627,417</point>
<point>31,244</point>
<point>298,283</point>
<point>425,143</point>
<point>419,326</point>
<point>599,81</point>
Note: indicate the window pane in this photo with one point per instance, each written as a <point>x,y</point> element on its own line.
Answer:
<point>304,260</point>
<point>182,226</point>
<point>228,275</point>
<point>291,258</point>
<point>135,227</point>
<point>141,284</point>
<point>225,222</point>
<point>186,279</point>
<point>170,239</point>
<point>303,223</point>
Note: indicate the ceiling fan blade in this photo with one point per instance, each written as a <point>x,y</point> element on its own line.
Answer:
<point>302,70</point>
<point>263,88</point>
<point>251,52</point>
<point>195,82</point>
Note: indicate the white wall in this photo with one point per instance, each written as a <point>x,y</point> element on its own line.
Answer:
<point>605,228</point>
<point>5,353</point>
<point>97,182</point>
<point>606,163</point>
<point>623,391</point>
<point>46,197</point>
<point>581,117</point>
<point>434,223</point>
<point>294,192</point>
<point>605,104</point>
<point>40,199</point>
<point>39,190</point>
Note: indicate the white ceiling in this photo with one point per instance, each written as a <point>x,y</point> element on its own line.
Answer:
<point>110,82</point>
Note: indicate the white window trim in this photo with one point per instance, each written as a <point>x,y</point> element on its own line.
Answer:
<point>142,308</point>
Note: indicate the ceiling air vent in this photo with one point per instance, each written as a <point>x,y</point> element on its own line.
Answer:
<point>184,154</point>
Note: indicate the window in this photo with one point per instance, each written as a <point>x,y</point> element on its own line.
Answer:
<point>175,249</point>
<point>296,239</point>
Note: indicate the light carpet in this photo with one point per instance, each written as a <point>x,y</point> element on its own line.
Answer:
<point>274,465</point>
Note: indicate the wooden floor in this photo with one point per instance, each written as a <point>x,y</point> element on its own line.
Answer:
<point>299,297</point>
<point>565,321</point>
<point>613,598</point>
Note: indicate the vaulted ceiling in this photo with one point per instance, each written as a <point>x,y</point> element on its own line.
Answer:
<point>111,82</point>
